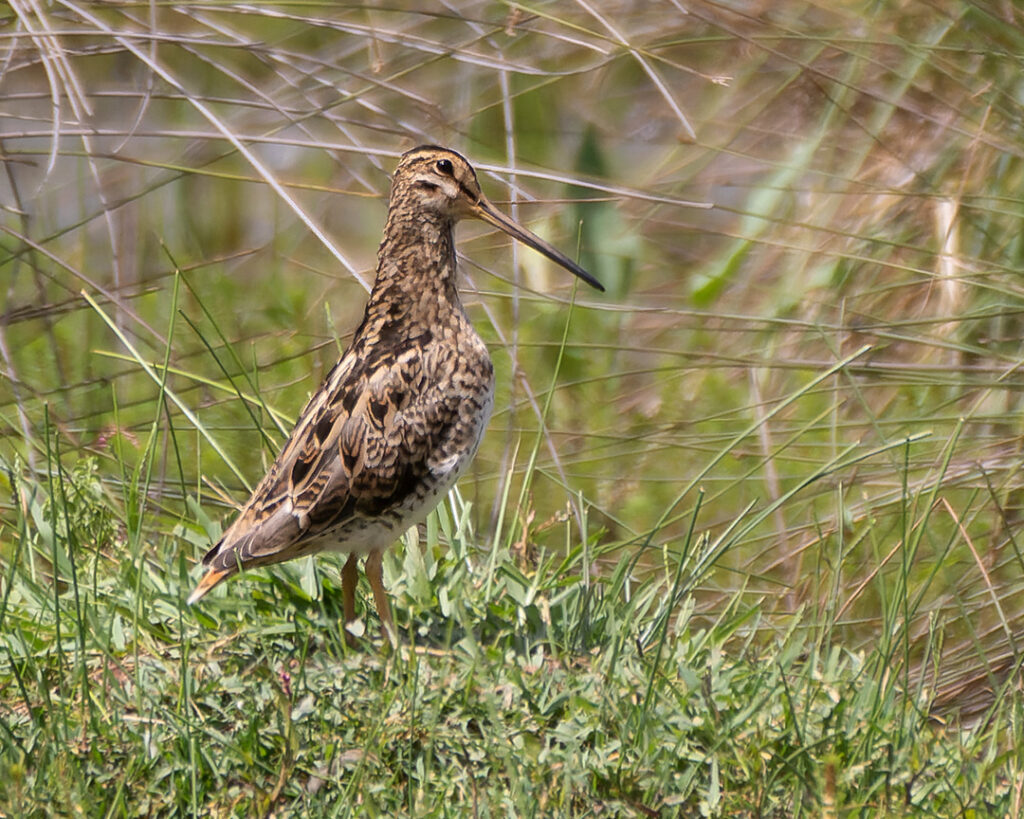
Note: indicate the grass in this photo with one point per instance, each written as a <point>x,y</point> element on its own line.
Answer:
<point>742,535</point>
<point>526,685</point>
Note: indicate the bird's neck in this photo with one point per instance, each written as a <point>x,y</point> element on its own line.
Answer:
<point>416,269</point>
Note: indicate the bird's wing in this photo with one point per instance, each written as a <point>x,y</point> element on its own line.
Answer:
<point>364,441</point>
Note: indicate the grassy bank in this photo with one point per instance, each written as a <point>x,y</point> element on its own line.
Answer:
<point>527,685</point>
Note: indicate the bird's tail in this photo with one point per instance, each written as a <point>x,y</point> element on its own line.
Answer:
<point>210,579</point>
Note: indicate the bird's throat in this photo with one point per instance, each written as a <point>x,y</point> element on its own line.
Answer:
<point>416,267</point>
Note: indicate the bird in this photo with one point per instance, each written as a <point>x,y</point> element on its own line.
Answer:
<point>400,415</point>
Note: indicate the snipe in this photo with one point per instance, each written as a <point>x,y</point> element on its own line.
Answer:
<point>401,414</point>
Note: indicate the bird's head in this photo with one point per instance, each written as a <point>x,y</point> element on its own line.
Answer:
<point>440,181</point>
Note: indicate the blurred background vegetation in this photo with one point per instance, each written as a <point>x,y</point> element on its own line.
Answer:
<point>807,216</point>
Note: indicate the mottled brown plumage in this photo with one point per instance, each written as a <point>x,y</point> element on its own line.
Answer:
<point>401,414</point>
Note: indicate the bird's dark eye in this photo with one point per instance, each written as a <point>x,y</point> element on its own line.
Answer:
<point>445,167</point>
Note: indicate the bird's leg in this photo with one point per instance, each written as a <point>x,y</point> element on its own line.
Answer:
<point>374,573</point>
<point>349,578</point>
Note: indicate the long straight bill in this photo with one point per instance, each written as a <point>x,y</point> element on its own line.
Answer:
<point>486,212</point>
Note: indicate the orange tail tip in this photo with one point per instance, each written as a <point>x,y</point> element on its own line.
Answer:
<point>210,579</point>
